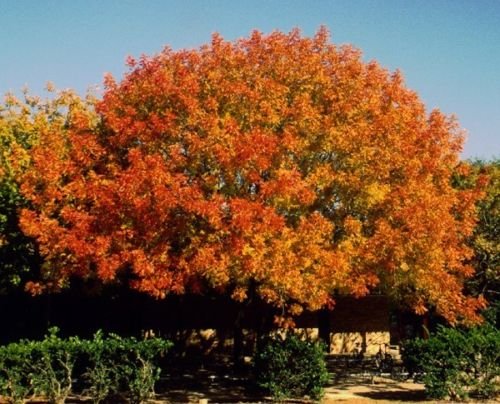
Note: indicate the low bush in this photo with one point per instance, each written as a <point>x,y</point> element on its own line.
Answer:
<point>38,368</point>
<point>457,363</point>
<point>109,366</point>
<point>16,374</point>
<point>53,360</point>
<point>290,367</point>
<point>123,366</point>
<point>100,376</point>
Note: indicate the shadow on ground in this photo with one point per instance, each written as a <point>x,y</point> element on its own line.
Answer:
<point>220,383</point>
<point>374,388</point>
<point>217,383</point>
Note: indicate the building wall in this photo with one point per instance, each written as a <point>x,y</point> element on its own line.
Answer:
<point>360,324</point>
<point>355,325</point>
<point>203,323</point>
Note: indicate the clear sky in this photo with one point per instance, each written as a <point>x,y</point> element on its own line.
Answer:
<point>448,50</point>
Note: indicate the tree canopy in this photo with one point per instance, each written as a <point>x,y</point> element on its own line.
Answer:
<point>18,132</point>
<point>276,166</point>
<point>486,236</point>
<point>486,241</point>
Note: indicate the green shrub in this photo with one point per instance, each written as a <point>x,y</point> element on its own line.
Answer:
<point>457,363</point>
<point>111,366</point>
<point>290,367</point>
<point>100,376</point>
<point>53,360</point>
<point>411,356</point>
<point>123,366</point>
<point>38,368</point>
<point>141,370</point>
<point>16,382</point>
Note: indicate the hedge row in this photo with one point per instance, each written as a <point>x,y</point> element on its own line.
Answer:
<point>102,368</point>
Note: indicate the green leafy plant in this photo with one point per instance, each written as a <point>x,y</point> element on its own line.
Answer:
<point>38,368</point>
<point>291,367</point>
<point>139,371</point>
<point>457,363</point>
<point>54,359</point>
<point>100,375</point>
<point>16,382</point>
<point>109,366</point>
<point>123,367</point>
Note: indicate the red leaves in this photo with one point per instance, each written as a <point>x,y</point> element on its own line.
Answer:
<point>277,161</point>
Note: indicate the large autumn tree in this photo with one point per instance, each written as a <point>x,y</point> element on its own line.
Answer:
<point>275,166</point>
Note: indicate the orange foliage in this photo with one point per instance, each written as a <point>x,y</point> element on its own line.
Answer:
<point>277,164</point>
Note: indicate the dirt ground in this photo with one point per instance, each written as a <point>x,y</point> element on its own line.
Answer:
<point>209,388</point>
<point>382,391</point>
<point>356,389</point>
<point>352,389</point>
<point>360,389</point>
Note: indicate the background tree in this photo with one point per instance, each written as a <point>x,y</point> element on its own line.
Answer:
<point>22,124</point>
<point>275,166</point>
<point>486,236</point>
<point>18,254</point>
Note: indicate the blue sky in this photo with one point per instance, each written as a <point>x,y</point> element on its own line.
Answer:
<point>448,51</point>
